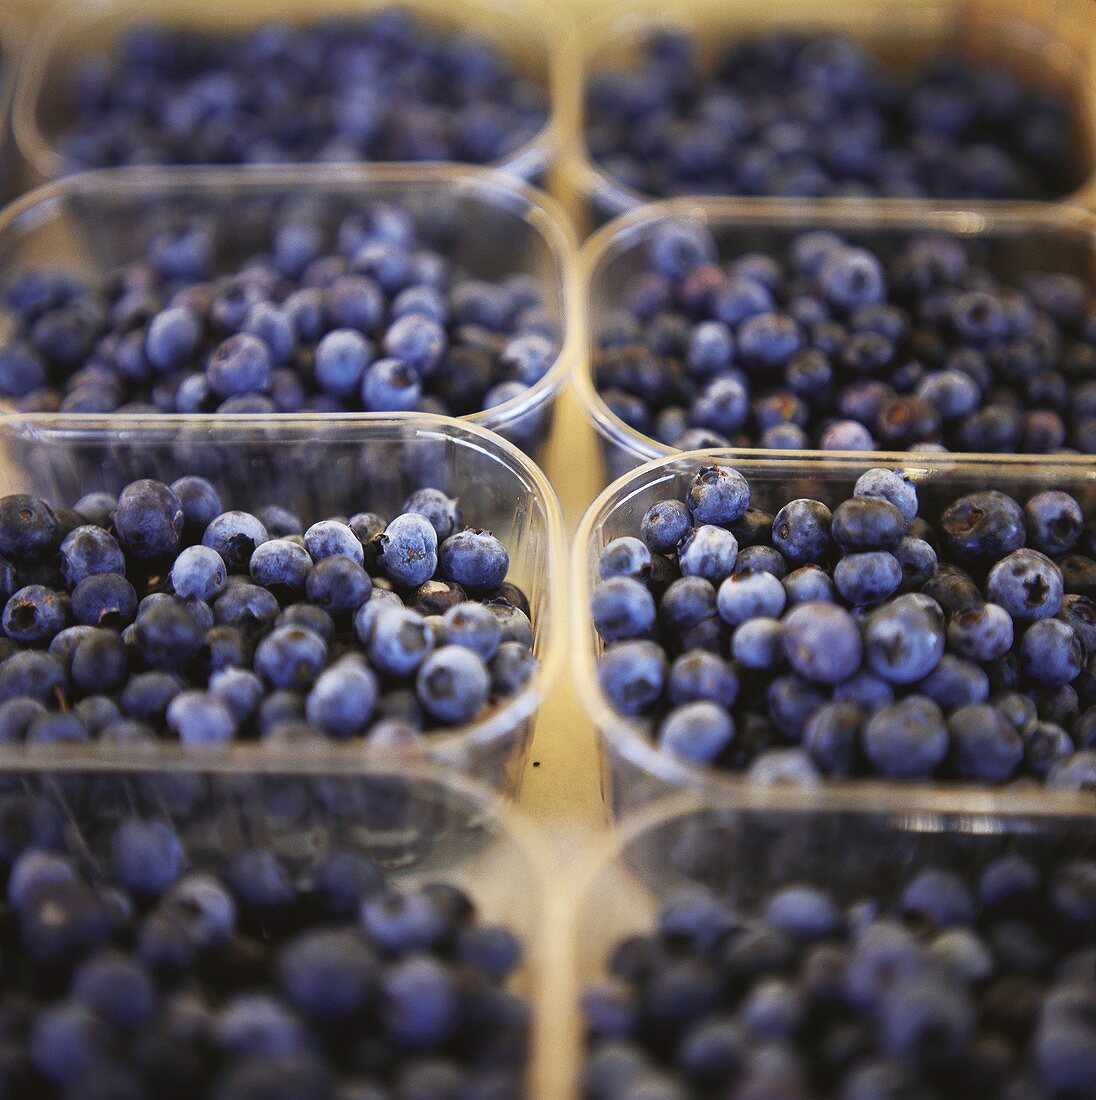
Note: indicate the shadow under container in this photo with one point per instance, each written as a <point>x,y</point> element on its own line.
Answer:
<point>745,842</point>
<point>1047,44</point>
<point>487,223</point>
<point>324,466</point>
<point>419,823</point>
<point>81,31</point>
<point>1006,239</point>
<point>634,770</point>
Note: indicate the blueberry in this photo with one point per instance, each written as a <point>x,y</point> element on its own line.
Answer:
<point>235,535</point>
<point>868,523</point>
<point>984,745</point>
<point>801,531</point>
<point>907,739</point>
<point>409,550</point>
<point>758,644</point>
<point>748,595</point>
<point>341,360</point>
<point>239,365</point>
<point>511,668</point>
<point>338,585</point>
<point>328,975</point>
<point>69,1042</point>
<point>86,551</point>
<point>421,1006</point>
<point>198,573</point>
<point>290,657</point>
<point>832,735</point>
<point>629,557</point>
<point>400,641</point>
<point>149,520</point>
<point>982,633</point>
<point>342,701</point>
<point>822,642</point>
<point>718,495</point>
<point>475,559</point>
<point>33,615</point>
<point>623,608</point>
<point>1054,522</point>
<point>904,639</point>
<point>868,577</point>
<point>984,526</point>
<point>390,385</point>
<point>1027,584</point>
<point>632,675</point>
<point>172,338</point>
<point>116,988</point>
<point>452,684</point>
<point>278,564</point>
<point>147,856</point>
<point>708,552</point>
<point>696,732</point>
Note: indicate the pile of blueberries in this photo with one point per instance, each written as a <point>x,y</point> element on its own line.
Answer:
<point>365,317</point>
<point>956,984</point>
<point>144,976</point>
<point>376,87</point>
<point>878,639</point>
<point>160,614</point>
<point>829,343</point>
<point>799,116</point>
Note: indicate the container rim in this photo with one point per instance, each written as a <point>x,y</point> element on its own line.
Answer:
<point>351,427</point>
<point>490,186</point>
<point>65,20</point>
<point>903,215</point>
<point>626,736</point>
<point>626,25</point>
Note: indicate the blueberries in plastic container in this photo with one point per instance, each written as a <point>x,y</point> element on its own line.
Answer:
<point>224,631</point>
<point>374,317</point>
<point>912,341</point>
<point>373,87</point>
<point>148,976</point>
<point>890,636</point>
<point>929,984</point>
<point>809,116</point>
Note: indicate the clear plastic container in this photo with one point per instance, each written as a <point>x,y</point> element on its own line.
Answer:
<point>1008,239</point>
<point>11,49</point>
<point>487,222</point>
<point>81,30</point>
<point>745,842</point>
<point>634,770</point>
<point>419,822</point>
<point>319,467</point>
<point>1048,43</point>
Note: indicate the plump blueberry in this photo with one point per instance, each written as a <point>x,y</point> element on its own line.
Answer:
<point>452,684</point>
<point>984,526</point>
<point>822,642</point>
<point>1027,584</point>
<point>708,552</point>
<point>718,495</point>
<point>409,550</point>
<point>198,573</point>
<point>148,519</point>
<point>632,675</point>
<point>696,732</point>
<point>749,595</point>
<point>629,557</point>
<point>907,739</point>
<point>904,639</point>
<point>475,559</point>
